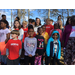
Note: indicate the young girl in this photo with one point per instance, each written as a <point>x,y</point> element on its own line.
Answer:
<point>45,34</point>
<point>40,47</point>
<point>54,48</point>
<point>57,28</point>
<point>4,37</point>
<point>46,37</point>
<point>13,49</point>
<point>30,46</point>
<point>37,24</point>
<point>17,26</point>
<point>26,34</point>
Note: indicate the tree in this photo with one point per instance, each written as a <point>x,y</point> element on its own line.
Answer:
<point>48,13</point>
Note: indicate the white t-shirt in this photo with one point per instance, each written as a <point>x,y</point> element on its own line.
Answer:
<point>36,28</point>
<point>72,34</point>
<point>55,46</point>
<point>3,34</point>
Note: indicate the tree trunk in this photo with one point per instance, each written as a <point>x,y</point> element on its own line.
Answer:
<point>23,14</point>
<point>19,13</point>
<point>48,13</point>
<point>28,15</point>
<point>11,17</point>
<point>67,12</point>
<point>62,17</point>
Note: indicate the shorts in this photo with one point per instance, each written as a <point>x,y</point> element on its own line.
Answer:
<point>3,48</point>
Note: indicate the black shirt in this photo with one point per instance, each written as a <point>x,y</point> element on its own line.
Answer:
<point>40,45</point>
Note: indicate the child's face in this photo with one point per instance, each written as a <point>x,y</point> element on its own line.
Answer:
<point>14,36</point>
<point>24,25</point>
<point>44,28</point>
<point>17,24</point>
<point>47,22</point>
<point>55,36</point>
<point>31,32</point>
<point>56,26</point>
<point>40,31</point>
<point>37,21</point>
<point>3,25</point>
<point>51,22</point>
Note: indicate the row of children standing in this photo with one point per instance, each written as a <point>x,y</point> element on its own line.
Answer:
<point>13,43</point>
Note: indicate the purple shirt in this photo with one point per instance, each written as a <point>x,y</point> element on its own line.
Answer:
<point>66,34</point>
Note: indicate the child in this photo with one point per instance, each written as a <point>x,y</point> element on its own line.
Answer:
<point>4,37</point>
<point>30,46</point>
<point>27,35</point>
<point>46,37</point>
<point>13,49</point>
<point>24,23</point>
<point>17,26</point>
<point>49,27</point>
<point>45,34</point>
<point>54,48</point>
<point>40,47</point>
<point>56,27</point>
<point>25,28</point>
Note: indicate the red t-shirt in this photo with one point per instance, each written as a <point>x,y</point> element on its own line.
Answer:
<point>48,28</point>
<point>25,29</point>
<point>14,46</point>
<point>26,35</point>
<point>25,32</point>
<point>16,29</point>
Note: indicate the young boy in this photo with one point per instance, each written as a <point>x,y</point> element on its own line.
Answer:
<point>13,49</point>
<point>51,21</point>
<point>54,48</point>
<point>30,46</point>
<point>48,26</point>
<point>40,47</point>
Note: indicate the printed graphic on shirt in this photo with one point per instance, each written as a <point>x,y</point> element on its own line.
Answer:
<point>12,44</point>
<point>72,34</point>
<point>30,45</point>
<point>41,43</point>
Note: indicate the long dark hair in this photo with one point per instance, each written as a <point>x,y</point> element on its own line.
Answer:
<point>67,23</point>
<point>19,24</point>
<point>39,23</point>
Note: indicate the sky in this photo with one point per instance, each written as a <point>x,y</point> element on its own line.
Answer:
<point>35,14</point>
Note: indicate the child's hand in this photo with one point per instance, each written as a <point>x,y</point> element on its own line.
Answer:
<point>19,55</point>
<point>7,56</point>
<point>44,54</point>
<point>37,54</point>
<point>30,55</point>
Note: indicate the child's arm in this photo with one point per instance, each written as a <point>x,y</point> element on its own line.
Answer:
<point>48,48</point>
<point>7,38</point>
<point>21,34</point>
<point>59,53</point>
<point>7,52</point>
<point>20,52</point>
<point>35,48</point>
